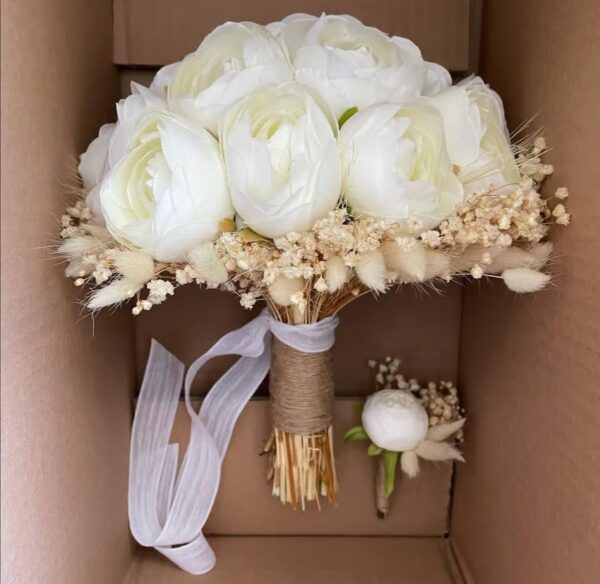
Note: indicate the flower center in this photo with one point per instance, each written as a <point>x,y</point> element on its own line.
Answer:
<point>399,400</point>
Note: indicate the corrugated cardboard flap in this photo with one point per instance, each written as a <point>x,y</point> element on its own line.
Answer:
<point>154,32</point>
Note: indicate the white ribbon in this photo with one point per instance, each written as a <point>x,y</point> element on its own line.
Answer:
<point>168,508</point>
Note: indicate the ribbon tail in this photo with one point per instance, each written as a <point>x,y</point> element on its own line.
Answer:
<point>155,413</point>
<point>168,510</point>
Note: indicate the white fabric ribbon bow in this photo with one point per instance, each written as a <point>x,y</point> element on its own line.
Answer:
<point>168,508</point>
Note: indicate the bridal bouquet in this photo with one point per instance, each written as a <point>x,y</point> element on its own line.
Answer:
<point>301,165</point>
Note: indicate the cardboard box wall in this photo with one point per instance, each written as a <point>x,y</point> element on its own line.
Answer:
<point>525,508</point>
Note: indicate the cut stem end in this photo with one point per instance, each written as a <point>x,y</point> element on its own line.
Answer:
<point>302,468</point>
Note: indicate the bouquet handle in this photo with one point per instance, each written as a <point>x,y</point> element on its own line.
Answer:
<point>169,508</point>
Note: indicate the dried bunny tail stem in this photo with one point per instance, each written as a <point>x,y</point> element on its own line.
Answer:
<point>409,463</point>
<point>135,266</point>
<point>408,258</point>
<point>205,262</point>
<point>541,253</point>
<point>444,431</point>
<point>336,273</point>
<point>508,258</point>
<point>282,289</point>
<point>438,451</point>
<point>75,247</point>
<point>437,264</point>
<point>524,280</point>
<point>114,293</point>
<point>76,268</point>
<point>467,258</point>
<point>333,303</point>
<point>496,259</point>
<point>372,271</point>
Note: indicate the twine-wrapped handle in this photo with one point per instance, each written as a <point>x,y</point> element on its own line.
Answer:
<point>301,386</point>
<point>302,466</point>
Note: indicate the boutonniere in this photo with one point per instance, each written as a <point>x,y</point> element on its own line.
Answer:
<point>405,422</point>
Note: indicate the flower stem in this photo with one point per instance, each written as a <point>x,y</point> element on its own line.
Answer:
<point>382,502</point>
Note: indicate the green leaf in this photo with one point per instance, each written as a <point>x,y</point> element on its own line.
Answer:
<point>356,433</point>
<point>374,450</point>
<point>390,462</point>
<point>347,115</point>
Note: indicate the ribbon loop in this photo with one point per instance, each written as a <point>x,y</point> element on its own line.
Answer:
<point>168,509</point>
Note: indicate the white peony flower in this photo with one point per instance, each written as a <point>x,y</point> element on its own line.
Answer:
<point>112,142</point>
<point>232,61</point>
<point>352,65</point>
<point>396,166</point>
<point>282,159</point>
<point>166,191</point>
<point>395,420</point>
<point>476,135</point>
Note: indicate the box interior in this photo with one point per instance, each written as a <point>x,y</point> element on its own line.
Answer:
<point>523,509</point>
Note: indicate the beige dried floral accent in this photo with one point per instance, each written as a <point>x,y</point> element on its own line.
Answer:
<point>406,257</point>
<point>207,265</point>
<point>114,293</point>
<point>135,266</point>
<point>336,273</point>
<point>282,289</point>
<point>525,280</point>
<point>371,270</point>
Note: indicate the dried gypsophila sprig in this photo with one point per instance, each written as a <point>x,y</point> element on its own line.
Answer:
<point>307,276</point>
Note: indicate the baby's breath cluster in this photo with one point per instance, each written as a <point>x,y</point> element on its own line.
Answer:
<point>440,400</point>
<point>495,219</point>
<point>505,217</point>
<point>300,265</point>
<point>71,219</point>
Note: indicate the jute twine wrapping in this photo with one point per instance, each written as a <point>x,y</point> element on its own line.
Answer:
<point>301,387</point>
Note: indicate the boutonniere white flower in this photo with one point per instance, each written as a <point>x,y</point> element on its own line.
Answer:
<point>231,62</point>
<point>351,64</point>
<point>280,148</point>
<point>398,426</point>
<point>396,166</point>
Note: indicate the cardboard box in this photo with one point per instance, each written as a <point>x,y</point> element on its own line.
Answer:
<point>524,509</point>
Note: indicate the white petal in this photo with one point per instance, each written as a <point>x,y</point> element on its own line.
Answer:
<point>462,124</point>
<point>92,165</point>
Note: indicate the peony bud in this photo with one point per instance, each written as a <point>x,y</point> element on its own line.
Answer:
<point>395,420</point>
